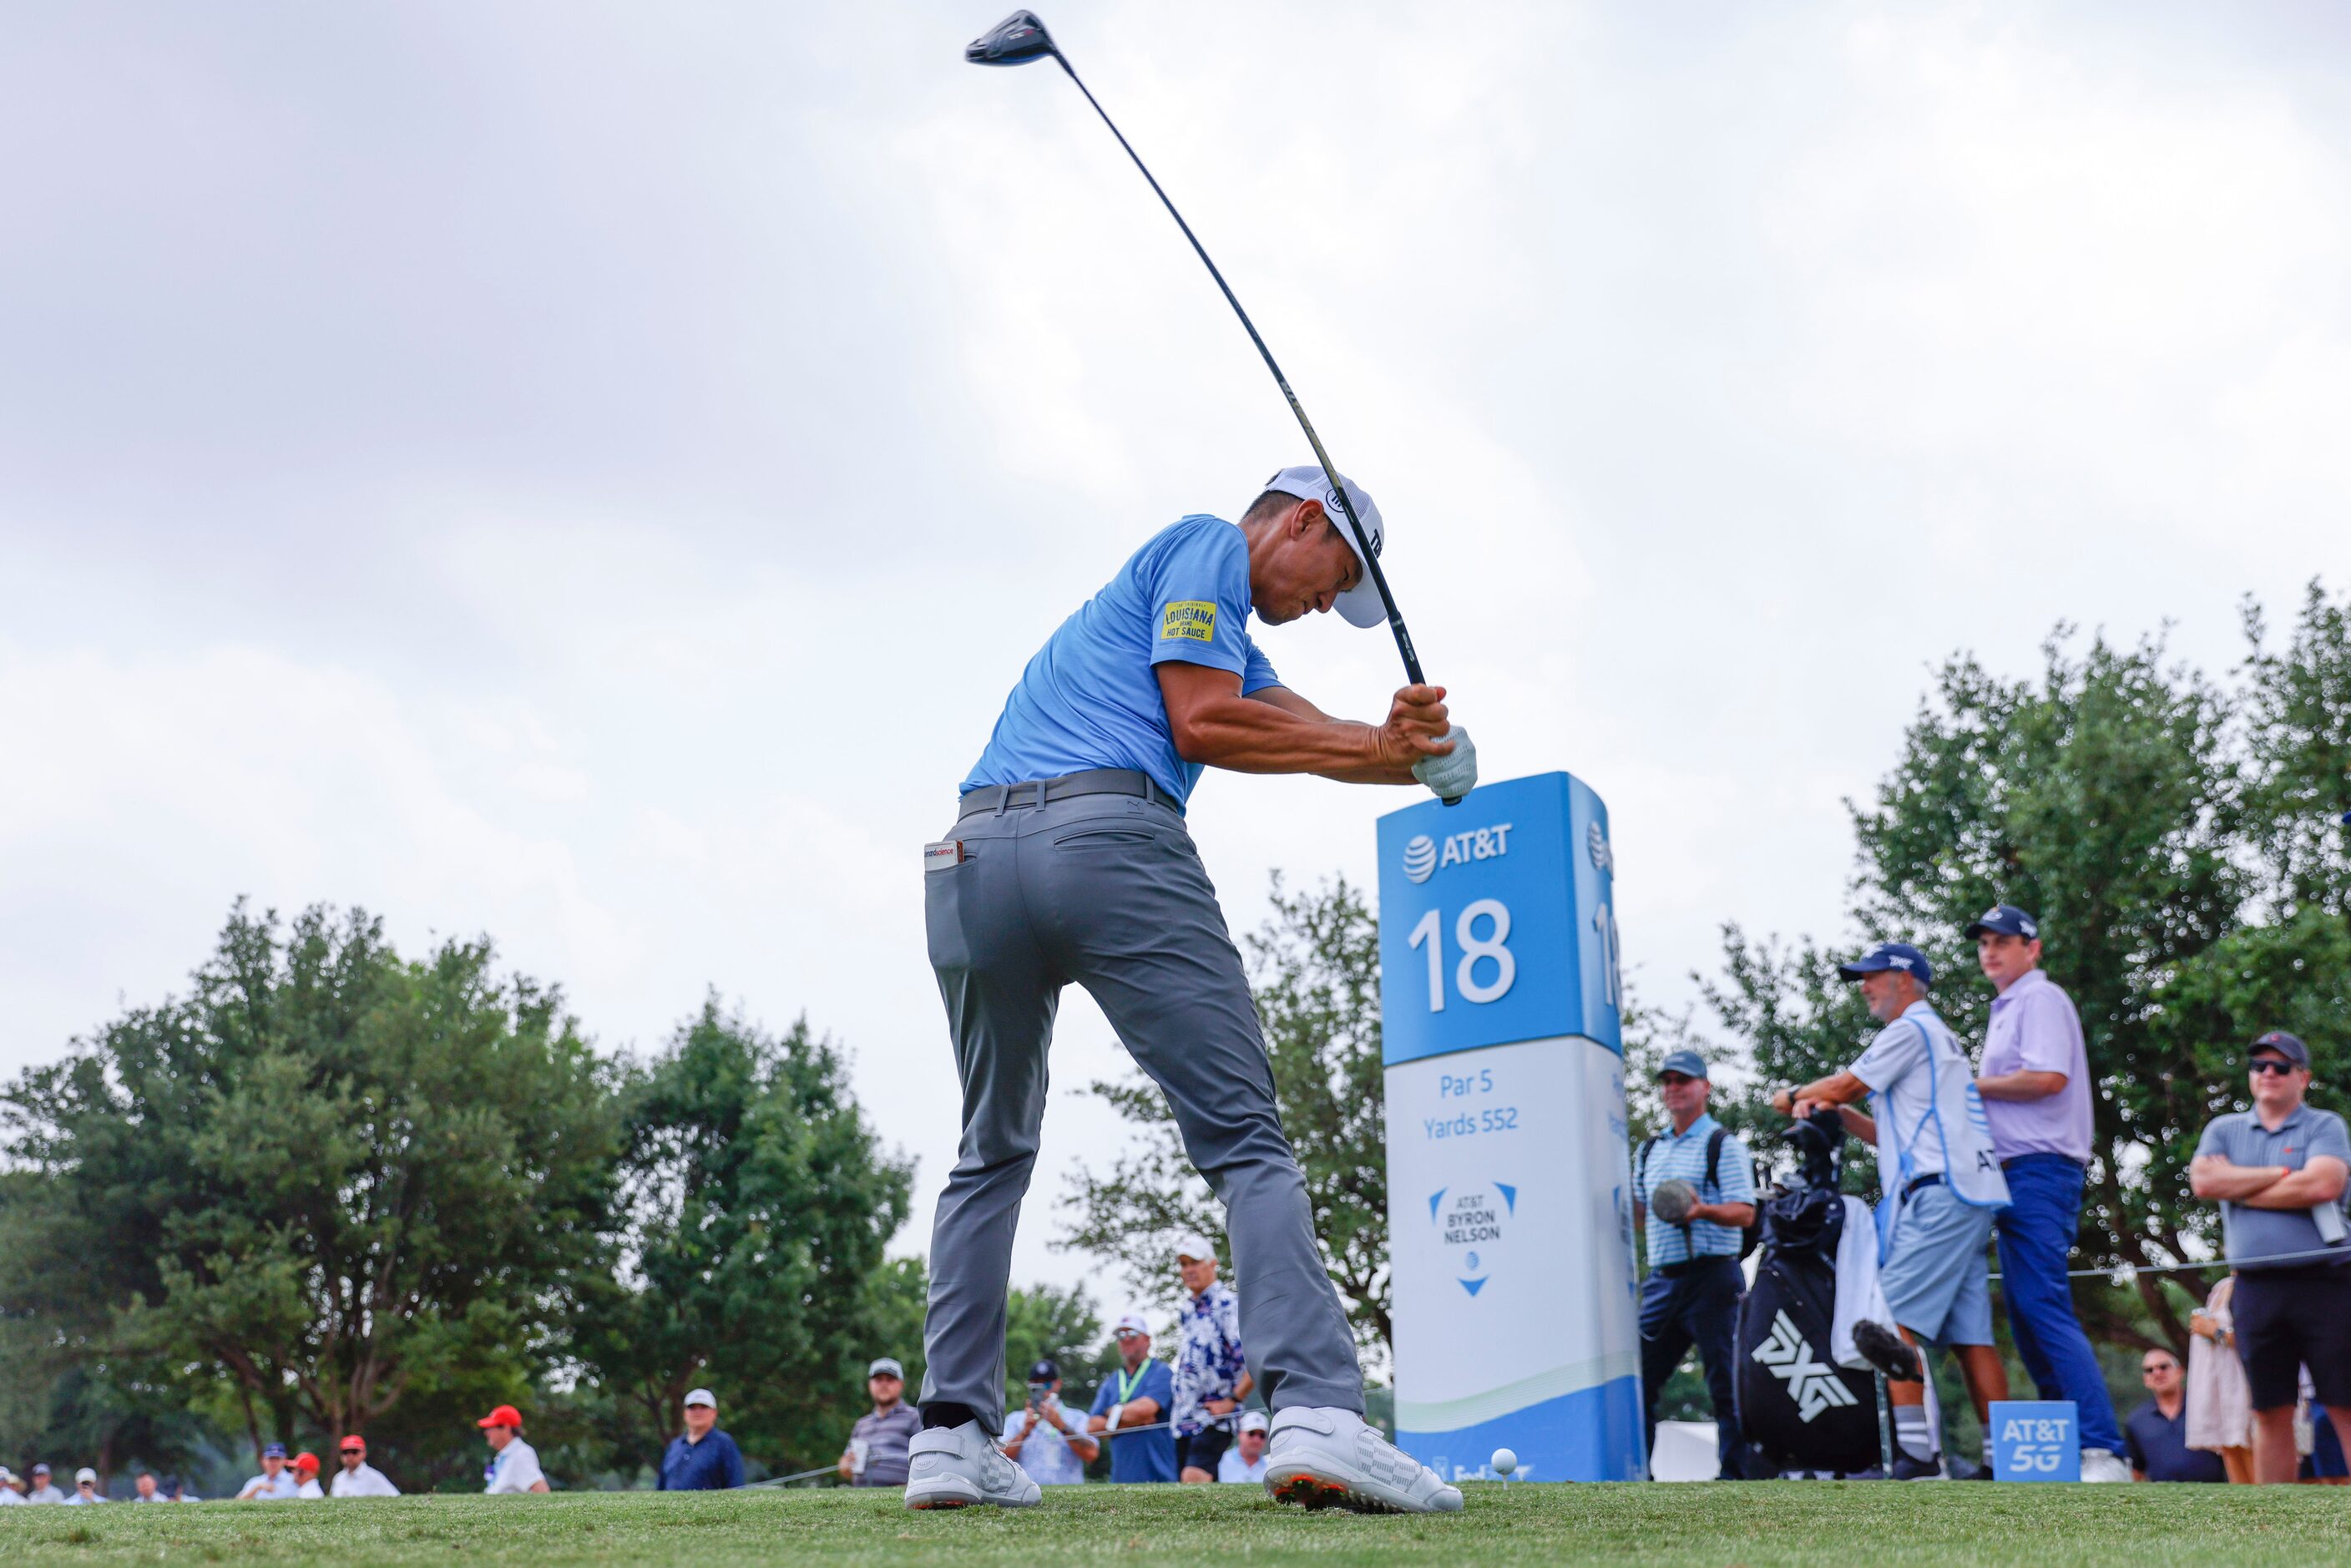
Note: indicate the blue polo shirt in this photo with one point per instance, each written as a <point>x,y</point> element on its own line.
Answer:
<point>1684,1155</point>
<point>715,1464</point>
<point>1091,699</point>
<point>1140,1455</point>
<point>2252,1234</point>
<point>2156,1444</point>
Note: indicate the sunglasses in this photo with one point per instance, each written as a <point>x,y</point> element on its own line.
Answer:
<point>2152,1367</point>
<point>1674,1079</point>
<point>2271,1064</point>
<point>355,1453</point>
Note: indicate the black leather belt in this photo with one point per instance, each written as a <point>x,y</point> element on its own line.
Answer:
<point>1093,782</point>
<point>1935,1180</point>
<point>1703,1261</point>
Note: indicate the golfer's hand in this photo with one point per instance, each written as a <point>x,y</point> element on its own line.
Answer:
<point>1784,1102</point>
<point>1221,1406</point>
<point>1416,726</point>
<point>1454,774</point>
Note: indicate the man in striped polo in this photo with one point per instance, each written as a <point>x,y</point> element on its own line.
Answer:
<point>1692,1293</point>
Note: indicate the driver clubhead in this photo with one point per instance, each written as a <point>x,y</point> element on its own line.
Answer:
<point>1015,41</point>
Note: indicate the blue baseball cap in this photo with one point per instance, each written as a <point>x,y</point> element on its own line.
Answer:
<point>2007,920</point>
<point>1891,956</point>
<point>1689,1064</point>
<point>2285,1045</point>
<point>274,1452</point>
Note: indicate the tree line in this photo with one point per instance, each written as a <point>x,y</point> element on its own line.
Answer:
<point>332,1190</point>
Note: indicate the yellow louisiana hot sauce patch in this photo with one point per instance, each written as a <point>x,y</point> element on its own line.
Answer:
<point>1192,620</point>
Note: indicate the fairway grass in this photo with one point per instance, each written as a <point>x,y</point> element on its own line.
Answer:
<point>1879,1523</point>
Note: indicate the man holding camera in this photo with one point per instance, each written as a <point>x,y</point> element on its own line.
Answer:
<point>1043,1438</point>
<point>1694,1188</point>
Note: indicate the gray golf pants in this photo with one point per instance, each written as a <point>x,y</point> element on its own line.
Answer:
<point>1108,891</point>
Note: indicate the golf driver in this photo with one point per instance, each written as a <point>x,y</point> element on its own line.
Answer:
<point>1020,39</point>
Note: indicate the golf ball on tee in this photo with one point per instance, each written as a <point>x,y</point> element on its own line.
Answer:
<point>1505,1462</point>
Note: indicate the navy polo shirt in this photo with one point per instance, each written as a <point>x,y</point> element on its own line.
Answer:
<point>2156,1443</point>
<point>715,1464</point>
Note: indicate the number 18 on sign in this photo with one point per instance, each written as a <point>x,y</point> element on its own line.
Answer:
<point>1510,1210</point>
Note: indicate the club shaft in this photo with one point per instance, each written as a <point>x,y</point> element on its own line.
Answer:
<point>1363,541</point>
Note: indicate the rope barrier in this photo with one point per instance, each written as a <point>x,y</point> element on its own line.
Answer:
<point>2108,1273</point>
<point>1092,1437</point>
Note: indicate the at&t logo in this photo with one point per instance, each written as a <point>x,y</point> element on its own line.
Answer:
<point>1423,858</point>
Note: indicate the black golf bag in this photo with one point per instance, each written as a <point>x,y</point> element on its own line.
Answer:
<point>1798,1410</point>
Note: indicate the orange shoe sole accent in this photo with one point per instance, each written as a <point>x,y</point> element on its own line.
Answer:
<point>1312,1493</point>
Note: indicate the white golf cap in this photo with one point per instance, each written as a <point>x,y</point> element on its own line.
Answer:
<point>85,1474</point>
<point>1194,1245</point>
<point>703,1397</point>
<point>1360,604</point>
<point>1131,1324</point>
<point>1253,1421</point>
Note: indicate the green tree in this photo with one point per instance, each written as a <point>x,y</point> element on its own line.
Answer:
<point>328,1181</point>
<point>2175,837</point>
<point>754,1204</point>
<point>1314,970</point>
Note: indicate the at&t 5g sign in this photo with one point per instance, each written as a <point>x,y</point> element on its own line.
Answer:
<point>1508,1208</point>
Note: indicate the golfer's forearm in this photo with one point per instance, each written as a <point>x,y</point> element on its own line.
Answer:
<point>2216,1178</point>
<point>1249,736</point>
<point>1738,1215</point>
<point>2021,1085</point>
<point>2321,1181</point>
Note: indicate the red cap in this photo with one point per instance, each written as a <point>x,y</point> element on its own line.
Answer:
<point>306,1461</point>
<point>504,1416</point>
<point>354,1439</point>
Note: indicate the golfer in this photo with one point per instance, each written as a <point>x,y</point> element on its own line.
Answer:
<point>1943,1184</point>
<point>1068,861</point>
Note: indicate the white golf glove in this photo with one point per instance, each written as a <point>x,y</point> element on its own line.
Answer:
<point>1455,774</point>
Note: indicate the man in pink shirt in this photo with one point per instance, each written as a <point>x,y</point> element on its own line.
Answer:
<point>2035,1084</point>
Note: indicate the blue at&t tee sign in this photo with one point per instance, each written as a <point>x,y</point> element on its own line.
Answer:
<point>1509,1178</point>
<point>2035,1440</point>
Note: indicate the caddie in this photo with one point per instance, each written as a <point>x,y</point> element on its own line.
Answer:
<point>1068,861</point>
<point>1942,1184</point>
<point>2035,1085</point>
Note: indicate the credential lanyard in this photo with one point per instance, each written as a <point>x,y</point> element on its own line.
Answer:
<point>1127,1385</point>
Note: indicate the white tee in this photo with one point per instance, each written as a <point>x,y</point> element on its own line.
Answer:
<point>515,1470</point>
<point>8,1497</point>
<point>282,1490</point>
<point>365,1482</point>
<point>311,1491</point>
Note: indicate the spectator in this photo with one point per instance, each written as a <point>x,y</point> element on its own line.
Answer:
<point>2220,1406</point>
<point>145,1489</point>
<point>2035,1085</point>
<point>41,1491</point>
<point>12,1490</point>
<point>2156,1437</point>
<point>275,1483</point>
<point>358,1478</point>
<point>1693,1291</point>
<point>305,1478</point>
<point>1043,1438</point>
<point>1942,1184</point>
<point>701,1459</point>
<point>2279,1172</point>
<point>1138,1394</point>
<point>1245,1462</point>
<point>86,1488</point>
<point>1211,1378</point>
<point>173,1491</point>
<point>514,1464</point>
<point>876,1455</point>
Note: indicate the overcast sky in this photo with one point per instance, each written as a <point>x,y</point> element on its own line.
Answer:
<point>588,474</point>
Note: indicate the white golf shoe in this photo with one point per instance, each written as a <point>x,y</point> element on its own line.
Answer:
<point>956,1466</point>
<point>2103,1465</point>
<point>1323,1457</point>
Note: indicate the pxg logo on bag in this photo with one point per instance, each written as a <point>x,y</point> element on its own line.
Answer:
<point>2035,1440</point>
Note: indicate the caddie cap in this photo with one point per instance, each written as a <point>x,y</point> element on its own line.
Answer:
<point>504,1416</point>
<point>2285,1045</point>
<point>1253,1421</point>
<point>1131,1324</point>
<point>1360,604</point>
<point>1689,1064</point>
<point>703,1397</point>
<point>2006,920</point>
<point>1192,1244</point>
<point>1891,956</point>
<point>886,1367</point>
